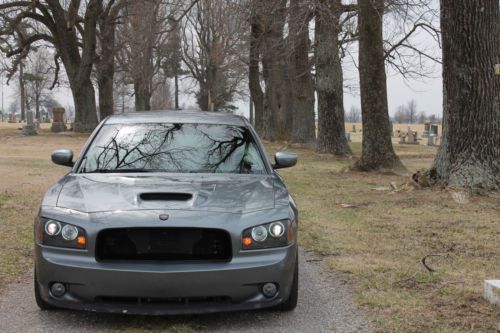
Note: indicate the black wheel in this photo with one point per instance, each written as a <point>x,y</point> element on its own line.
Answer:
<point>291,303</point>
<point>38,298</point>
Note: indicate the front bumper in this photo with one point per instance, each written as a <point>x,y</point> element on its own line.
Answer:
<point>165,288</point>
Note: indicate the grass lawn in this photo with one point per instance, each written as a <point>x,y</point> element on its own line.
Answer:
<point>378,246</point>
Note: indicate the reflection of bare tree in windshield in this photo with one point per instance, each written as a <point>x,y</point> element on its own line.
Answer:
<point>173,148</point>
<point>141,151</point>
<point>223,149</point>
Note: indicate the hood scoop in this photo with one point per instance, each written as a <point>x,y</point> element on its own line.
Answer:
<point>165,196</point>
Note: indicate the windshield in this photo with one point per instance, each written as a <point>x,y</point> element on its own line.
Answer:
<point>178,148</point>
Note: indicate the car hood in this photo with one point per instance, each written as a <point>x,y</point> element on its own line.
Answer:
<point>92,193</point>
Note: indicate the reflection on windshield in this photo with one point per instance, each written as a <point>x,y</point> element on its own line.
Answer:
<point>199,148</point>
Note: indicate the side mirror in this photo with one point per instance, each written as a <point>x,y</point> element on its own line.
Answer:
<point>285,160</point>
<point>63,157</point>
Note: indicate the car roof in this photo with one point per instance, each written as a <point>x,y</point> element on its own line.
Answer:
<point>183,117</point>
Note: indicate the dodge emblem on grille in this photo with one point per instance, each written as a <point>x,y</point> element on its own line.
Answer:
<point>164,217</point>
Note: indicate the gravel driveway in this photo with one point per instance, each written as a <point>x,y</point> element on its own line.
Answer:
<point>325,305</point>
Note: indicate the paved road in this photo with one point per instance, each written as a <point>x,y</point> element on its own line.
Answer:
<point>325,305</point>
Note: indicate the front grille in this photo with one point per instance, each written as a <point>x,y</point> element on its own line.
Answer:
<point>163,244</point>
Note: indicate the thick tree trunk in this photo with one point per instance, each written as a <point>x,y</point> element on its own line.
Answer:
<point>142,95</point>
<point>106,66</point>
<point>84,99</point>
<point>303,125</point>
<point>78,59</point>
<point>377,150</point>
<point>256,93</point>
<point>469,156</point>
<point>106,101</point>
<point>277,117</point>
<point>329,81</point>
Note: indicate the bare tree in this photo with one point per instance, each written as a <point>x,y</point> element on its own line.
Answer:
<point>329,77</point>
<point>143,39</point>
<point>71,28</point>
<point>255,52</point>
<point>354,115</point>
<point>275,62</point>
<point>172,64</point>
<point>213,45</point>
<point>37,78</point>
<point>105,60</point>
<point>377,150</point>
<point>303,124</point>
<point>469,156</point>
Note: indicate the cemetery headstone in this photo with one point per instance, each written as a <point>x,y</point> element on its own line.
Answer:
<point>30,127</point>
<point>58,124</point>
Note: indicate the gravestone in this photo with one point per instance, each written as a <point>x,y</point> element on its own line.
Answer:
<point>348,137</point>
<point>353,128</point>
<point>30,127</point>
<point>411,136</point>
<point>431,140</point>
<point>58,124</point>
<point>427,130</point>
<point>434,129</point>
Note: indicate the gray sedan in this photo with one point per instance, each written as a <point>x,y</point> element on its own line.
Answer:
<point>168,213</point>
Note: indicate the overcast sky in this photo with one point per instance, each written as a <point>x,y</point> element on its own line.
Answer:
<point>427,93</point>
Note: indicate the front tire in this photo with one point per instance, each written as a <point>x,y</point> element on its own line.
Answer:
<point>38,297</point>
<point>291,303</point>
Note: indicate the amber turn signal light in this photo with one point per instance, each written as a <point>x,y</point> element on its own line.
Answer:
<point>247,241</point>
<point>81,241</point>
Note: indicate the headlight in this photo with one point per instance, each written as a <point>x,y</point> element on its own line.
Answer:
<point>60,234</point>
<point>274,234</point>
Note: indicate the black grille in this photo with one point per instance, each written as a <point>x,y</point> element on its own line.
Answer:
<point>163,244</point>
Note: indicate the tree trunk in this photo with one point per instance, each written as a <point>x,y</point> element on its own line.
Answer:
<point>106,66</point>
<point>142,95</point>
<point>303,125</point>
<point>22,92</point>
<point>256,93</point>
<point>469,156</point>
<point>176,92</point>
<point>277,117</point>
<point>84,99</point>
<point>37,107</point>
<point>377,150</point>
<point>329,81</point>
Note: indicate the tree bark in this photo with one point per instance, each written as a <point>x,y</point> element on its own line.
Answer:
<point>37,107</point>
<point>329,81</point>
<point>469,156</point>
<point>22,91</point>
<point>84,99</point>
<point>78,64</point>
<point>276,118</point>
<point>377,150</point>
<point>106,64</point>
<point>142,95</point>
<point>256,93</point>
<point>176,91</point>
<point>303,124</point>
